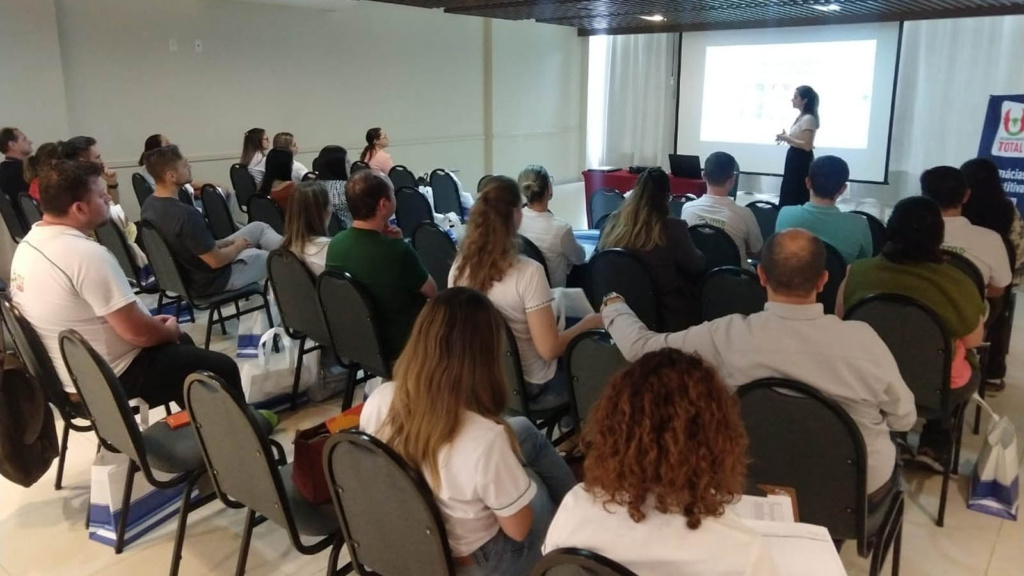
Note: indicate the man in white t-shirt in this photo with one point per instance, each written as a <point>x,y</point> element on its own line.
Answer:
<point>717,209</point>
<point>62,279</point>
<point>947,187</point>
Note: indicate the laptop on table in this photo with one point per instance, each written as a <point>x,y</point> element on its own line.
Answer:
<point>685,166</point>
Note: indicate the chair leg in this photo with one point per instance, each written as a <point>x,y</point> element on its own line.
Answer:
<point>940,521</point>
<point>298,374</point>
<point>977,409</point>
<point>209,329</point>
<point>223,323</point>
<point>126,502</point>
<point>958,438</point>
<point>177,310</point>
<point>159,303</point>
<point>179,536</point>
<point>332,560</point>
<point>266,306</point>
<point>62,456</point>
<point>350,387</point>
<point>243,552</point>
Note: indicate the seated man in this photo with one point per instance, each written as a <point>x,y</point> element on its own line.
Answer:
<point>84,148</point>
<point>794,338</point>
<point>847,233</point>
<point>62,279</point>
<point>16,148</point>
<point>373,252</point>
<point>948,188</point>
<point>211,266</point>
<point>719,210</point>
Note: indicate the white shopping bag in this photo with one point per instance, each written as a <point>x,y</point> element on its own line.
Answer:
<point>150,507</point>
<point>252,327</point>
<point>996,478</point>
<point>570,303</point>
<point>450,223</point>
<point>271,374</point>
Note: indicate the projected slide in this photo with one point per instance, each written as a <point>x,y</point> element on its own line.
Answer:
<point>747,91</point>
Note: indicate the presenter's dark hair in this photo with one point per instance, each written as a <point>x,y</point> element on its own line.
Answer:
<point>945,185</point>
<point>279,169</point>
<point>74,148</point>
<point>828,174</point>
<point>810,101</point>
<point>718,168</point>
<point>988,205</point>
<point>914,232</point>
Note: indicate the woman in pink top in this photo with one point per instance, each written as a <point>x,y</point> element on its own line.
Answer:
<point>374,153</point>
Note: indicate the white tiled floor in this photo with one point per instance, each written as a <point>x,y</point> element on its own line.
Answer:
<point>41,530</point>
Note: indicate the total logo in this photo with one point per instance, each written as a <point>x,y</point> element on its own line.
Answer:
<point>1009,140</point>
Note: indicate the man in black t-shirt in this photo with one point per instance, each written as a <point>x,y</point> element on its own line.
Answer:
<point>16,148</point>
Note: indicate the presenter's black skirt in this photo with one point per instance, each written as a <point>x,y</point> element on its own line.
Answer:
<point>794,179</point>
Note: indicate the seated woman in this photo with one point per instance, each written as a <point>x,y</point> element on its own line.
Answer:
<point>38,164</point>
<point>642,226</point>
<point>254,152</point>
<point>287,140</point>
<point>912,264</point>
<point>375,154</point>
<point>488,261</point>
<point>665,452</point>
<point>305,226</point>
<point>443,414</point>
<point>331,166</point>
<point>277,181</point>
<point>553,236</point>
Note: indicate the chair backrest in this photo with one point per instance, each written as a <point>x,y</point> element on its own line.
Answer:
<point>604,202</point>
<point>675,206</point>
<point>802,439</point>
<point>29,208</point>
<point>161,260</point>
<point>446,193</point>
<point>480,182</point>
<point>143,189</point>
<point>112,238</point>
<point>578,562</point>
<point>309,176</point>
<point>386,509</point>
<point>877,228</point>
<point>436,250</point>
<point>185,197</point>
<point>263,209</point>
<point>33,354</point>
<point>217,212</point>
<point>731,290</point>
<point>530,250</point>
<point>243,183</point>
<point>351,325</point>
<point>718,247</point>
<point>918,341</point>
<point>9,213</point>
<point>515,382</point>
<point>411,210</point>
<point>735,183</point>
<point>357,166</point>
<point>402,177</point>
<point>599,225</point>
<point>617,270</point>
<point>835,264</point>
<point>964,264</point>
<point>592,359</point>
<point>335,224</point>
<point>295,288</point>
<point>766,214</point>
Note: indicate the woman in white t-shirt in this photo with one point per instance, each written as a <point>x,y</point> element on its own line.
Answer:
<point>443,415</point>
<point>254,152</point>
<point>552,235</point>
<point>489,261</point>
<point>801,148</point>
<point>305,225</point>
<point>666,452</point>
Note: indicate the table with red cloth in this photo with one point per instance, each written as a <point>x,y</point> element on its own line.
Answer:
<point>622,181</point>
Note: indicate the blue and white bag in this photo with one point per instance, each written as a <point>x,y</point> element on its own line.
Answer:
<point>995,481</point>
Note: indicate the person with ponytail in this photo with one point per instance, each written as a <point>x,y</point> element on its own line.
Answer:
<point>374,153</point>
<point>496,481</point>
<point>552,235</point>
<point>254,152</point>
<point>801,148</point>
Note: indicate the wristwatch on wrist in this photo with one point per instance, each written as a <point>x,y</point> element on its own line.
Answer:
<point>608,297</point>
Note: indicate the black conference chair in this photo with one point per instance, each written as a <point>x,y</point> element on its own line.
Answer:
<point>480,182</point>
<point>530,250</point>
<point>675,206</point>
<point>335,225</point>
<point>143,189</point>
<point>170,279</point>
<point>446,193</point>
<point>249,471</point>
<point>964,264</point>
<point>12,219</point>
<point>602,203</point>
<point>357,166</point>
<point>835,264</point>
<point>731,290</point>
<point>592,359</point>
<point>735,183</point>
<point>877,231</point>
<point>244,185</point>
<point>718,247</point>
<point>402,177</point>
<point>544,417</point>
<point>411,209</point>
<point>158,448</point>
<point>352,328</point>
<point>263,209</point>
<point>301,317</point>
<point>386,509</point>
<point>802,439</point>
<point>436,250</point>
<point>112,238</point>
<point>617,270</point>
<point>578,562</point>
<point>599,225</point>
<point>185,197</point>
<point>217,213</point>
<point>766,214</point>
<point>310,176</point>
<point>29,208</point>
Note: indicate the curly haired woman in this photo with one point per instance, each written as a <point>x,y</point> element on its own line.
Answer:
<point>666,451</point>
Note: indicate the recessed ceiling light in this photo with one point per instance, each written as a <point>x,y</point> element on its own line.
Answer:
<point>654,18</point>
<point>828,8</point>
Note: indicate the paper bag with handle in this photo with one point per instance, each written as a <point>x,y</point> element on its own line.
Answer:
<point>308,473</point>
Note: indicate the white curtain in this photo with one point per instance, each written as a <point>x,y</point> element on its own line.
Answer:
<point>631,121</point>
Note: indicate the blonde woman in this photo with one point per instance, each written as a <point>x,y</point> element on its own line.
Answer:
<point>642,226</point>
<point>443,414</point>
<point>489,261</point>
<point>552,235</point>
<point>305,226</point>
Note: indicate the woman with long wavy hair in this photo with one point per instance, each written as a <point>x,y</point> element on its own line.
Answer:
<point>642,226</point>
<point>666,451</point>
<point>254,152</point>
<point>489,261</point>
<point>443,415</point>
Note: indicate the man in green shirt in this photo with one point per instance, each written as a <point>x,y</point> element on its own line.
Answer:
<point>373,252</point>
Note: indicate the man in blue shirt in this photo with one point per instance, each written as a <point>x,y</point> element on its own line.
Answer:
<point>847,233</point>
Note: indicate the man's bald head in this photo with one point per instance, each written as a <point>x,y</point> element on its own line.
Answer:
<point>793,263</point>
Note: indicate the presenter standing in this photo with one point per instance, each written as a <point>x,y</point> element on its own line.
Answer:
<point>801,148</point>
